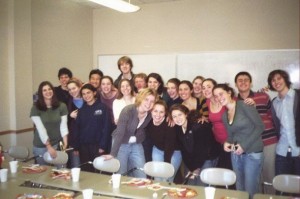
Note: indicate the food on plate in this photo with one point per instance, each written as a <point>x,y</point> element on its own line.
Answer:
<point>182,193</point>
<point>138,182</point>
<point>63,196</point>
<point>154,187</point>
<point>30,196</point>
<point>62,173</point>
<point>35,168</point>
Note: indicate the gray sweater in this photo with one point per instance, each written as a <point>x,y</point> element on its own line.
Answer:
<point>246,128</point>
<point>127,126</point>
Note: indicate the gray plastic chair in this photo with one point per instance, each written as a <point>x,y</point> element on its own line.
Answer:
<point>61,158</point>
<point>287,183</point>
<point>18,152</point>
<point>111,166</point>
<point>218,177</point>
<point>159,169</point>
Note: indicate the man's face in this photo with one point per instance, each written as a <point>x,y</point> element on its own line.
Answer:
<point>243,83</point>
<point>63,80</point>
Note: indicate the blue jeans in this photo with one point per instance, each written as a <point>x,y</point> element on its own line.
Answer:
<point>131,156</point>
<point>287,165</point>
<point>158,155</point>
<point>248,168</point>
<point>74,159</point>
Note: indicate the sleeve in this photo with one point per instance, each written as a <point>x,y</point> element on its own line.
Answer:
<point>254,117</point>
<point>40,128</point>
<point>64,126</point>
<point>106,124</point>
<point>169,142</point>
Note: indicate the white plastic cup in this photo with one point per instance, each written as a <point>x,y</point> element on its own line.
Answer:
<point>209,192</point>
<point>13,165</point>
<point>87,193</point>
<point>75,172</point>
<point>3,175</point>
<point>116,180</point>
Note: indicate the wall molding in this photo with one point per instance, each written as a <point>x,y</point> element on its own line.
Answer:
<point>16,131</point>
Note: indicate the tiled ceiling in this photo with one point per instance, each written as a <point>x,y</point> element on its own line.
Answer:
<point>135,2</point>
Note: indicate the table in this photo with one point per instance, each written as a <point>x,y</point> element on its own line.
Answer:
<point>268,196</point>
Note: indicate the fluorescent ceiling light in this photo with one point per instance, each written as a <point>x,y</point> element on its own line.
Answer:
<point>118,5</point>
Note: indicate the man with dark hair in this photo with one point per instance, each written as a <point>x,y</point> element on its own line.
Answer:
<point>243,82</point>
<point>62,93</point>
<point>286,116</point>
<point>95,79</point>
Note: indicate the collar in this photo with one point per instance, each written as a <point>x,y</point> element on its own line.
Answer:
<point>251,94</point>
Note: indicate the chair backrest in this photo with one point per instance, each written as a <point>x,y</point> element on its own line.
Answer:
<point>218,176</point>
<point>159,169</point>
<point>287,183</point>
<point>111,166</point>
<point>61,158</point>
<point>18,152</point>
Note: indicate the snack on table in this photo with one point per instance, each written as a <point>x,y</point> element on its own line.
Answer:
<point>30,196</point>
<point>63,196</point>
<point>182,193</point>
<point>138,182</point>
<point>155,187</point>
<point>35,168</point>
<point>62,174</point>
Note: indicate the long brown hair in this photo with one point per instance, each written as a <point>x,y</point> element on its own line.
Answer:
<point>40,103</point>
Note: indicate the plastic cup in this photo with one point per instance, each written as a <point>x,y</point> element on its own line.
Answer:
<point>75,172</point>
<point>3,175</point>
<point>13,165</point>
<point>116,180</point>
<point>209,192</point>
<point>87,193</point>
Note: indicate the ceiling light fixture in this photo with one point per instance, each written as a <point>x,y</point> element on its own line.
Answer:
<point>119,5</point>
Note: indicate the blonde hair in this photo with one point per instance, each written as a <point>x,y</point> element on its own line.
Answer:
<point>143,94</point>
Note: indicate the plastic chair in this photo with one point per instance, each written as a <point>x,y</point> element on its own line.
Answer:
<point>218,177</point>
<point>159,169</point>
<point>18,152</point>
<point>111,166</point>
<point>287,183</point>
<point>61,158</point>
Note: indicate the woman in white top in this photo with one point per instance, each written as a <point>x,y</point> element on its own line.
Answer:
<point>124,98</point>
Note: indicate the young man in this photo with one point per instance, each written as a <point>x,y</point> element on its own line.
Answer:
<point>243,82</point>
<point>125,66</point>
<point>62,93</point>
<point>286,116</point>
<point>95,79</point>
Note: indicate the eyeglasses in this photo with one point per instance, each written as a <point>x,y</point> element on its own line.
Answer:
<point>243,80</point>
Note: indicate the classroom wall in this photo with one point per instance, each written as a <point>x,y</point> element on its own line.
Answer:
<point>198,25</point>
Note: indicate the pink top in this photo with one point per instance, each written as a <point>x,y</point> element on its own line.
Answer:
<point>219,128</point>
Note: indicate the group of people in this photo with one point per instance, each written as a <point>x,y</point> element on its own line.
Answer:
<point>137,118</point>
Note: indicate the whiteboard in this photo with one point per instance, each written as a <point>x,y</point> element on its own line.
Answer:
<point>221,66</point>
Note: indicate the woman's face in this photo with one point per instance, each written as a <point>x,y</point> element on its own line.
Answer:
<point>197,86</point>
<point>179,117</point>
<point>172,90</point>
<point>125,88</point>
<point>125,68</point>
<point>140,83</point>
<point>207,87</point>
<point>47,92</point>
<point>222,96</point>
<point>153,83</point>
<point>185,92</point>
<point>106,85</point>
<point>74,90</point>
<point>158,113</point>
<point>147,103</point>
<point>88,96</point>
<point>95,80</point>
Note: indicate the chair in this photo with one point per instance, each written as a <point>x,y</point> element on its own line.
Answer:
<point>218,177</point>
<point>287,183</point>
<point>159,169</point>
<point>111,166</point>
<point>18,152</point>
<point>61,158</point>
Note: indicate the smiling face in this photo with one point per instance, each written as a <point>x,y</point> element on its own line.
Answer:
<point>140,83</point>
<point>88,96</point>
<point>222,96</point>
<point>207,87</point>
<point>172,90</point>
<point>147,103</point>
<point>63,80</point>
<point>243,83</point>
<point>95,80</point>
<point>153,83</point>
<point>278,83</point>
<point>47,92</point>
<point>158,113</point>
<point>125,68</point>
<point>179,117</point>
<point>106,85</point>
<point>74,90</point>
<point>197,87</point>
<point>125,88</point>
<point>185,92</point>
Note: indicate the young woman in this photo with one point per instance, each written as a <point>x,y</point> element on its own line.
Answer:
<point>244,127</point>
<point>129,134</point>
<point>172,89</point>
<point>155,81</point>
<point>92,130</point>
<point>198,146</point>
<point>163,137</point>
<point>192,103</point>
<point>74,103</point>
<point>50,118</point>
<point>197,86</point>
<point>124,98</point>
